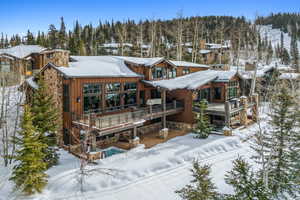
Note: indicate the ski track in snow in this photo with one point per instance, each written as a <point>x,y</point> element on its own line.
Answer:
<point>167,167</point>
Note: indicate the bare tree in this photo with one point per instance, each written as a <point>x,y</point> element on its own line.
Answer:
<point>141,36</point>
<point>122,33</point>
<point>195,45</point>
<point>153,38</point>
<point>179,35</point>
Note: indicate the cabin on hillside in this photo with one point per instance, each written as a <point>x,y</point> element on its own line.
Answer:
<point>120,98</point>
<point>19,62</point>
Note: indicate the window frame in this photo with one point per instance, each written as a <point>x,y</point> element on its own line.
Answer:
<point>92,93</point>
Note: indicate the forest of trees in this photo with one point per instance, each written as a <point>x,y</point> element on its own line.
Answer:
<point>164,37</point>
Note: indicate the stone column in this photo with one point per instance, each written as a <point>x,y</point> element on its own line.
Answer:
<point>243,112</point>
<point>93,142</point>
<point>135,140</point>
<point>227,114</point>
<point>255,111</point>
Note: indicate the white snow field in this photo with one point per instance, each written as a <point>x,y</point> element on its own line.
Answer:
<point>274,35</point>
<point>140,173</point>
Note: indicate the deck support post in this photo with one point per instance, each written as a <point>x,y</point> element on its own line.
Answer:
<point>164,120</point>
<point>134,132</point>
<point>243,113</point>
<point>227,114</point>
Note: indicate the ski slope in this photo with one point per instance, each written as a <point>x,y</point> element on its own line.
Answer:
<point>274,36</point>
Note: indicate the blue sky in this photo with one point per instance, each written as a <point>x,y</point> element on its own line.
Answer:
<point>17,16</point>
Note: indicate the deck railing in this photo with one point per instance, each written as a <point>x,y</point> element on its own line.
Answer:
<point>136,115</point>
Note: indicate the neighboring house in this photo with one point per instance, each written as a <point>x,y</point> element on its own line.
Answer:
<point>21,61</point>
<point>119,98</point>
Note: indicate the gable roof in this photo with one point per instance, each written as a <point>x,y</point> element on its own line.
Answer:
<point>188,64</point>
<point>97,66</point>
<point>21,51</point>
<point>194,80</point>
<point>148,62</point>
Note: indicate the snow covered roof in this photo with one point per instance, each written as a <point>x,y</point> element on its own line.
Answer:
<point>187,64</point>
<point>289,76</point>
<point>97,66</point>
<point>194,80</point>
<point>149,62</point>
<point>22,51</point>
<point>116,45</point>
<point>30,81</point>
<point>204,51</point>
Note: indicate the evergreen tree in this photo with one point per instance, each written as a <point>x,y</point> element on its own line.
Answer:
<point>272,146</point>
<point>29,172</point>
<point>203,127</point>
<point>285,57</point>
<point>246,184</point>
<point>53,37</point>
<point>202,187</point>
<point>295,52</point>
<point>62,34</point>
<point>30,38</point>
<point>283,123</point>
<point>294,156</point>
<point>46,120</point>
<point>270,53</point>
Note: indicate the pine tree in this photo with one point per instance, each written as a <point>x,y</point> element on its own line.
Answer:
<point>62,34</point>
<point>272,146</point>
<point>295,52</point>
<point>53,37</point>
<point>270,53</point>
<point>246,184</point>
<point>202,187</point>
<point>285,57</point>
<point>30,38</point>
<point>29,172</point>
<point>203,127</point>
<point>46,120</point>
<point>294,156</point>
<point>283,123</point>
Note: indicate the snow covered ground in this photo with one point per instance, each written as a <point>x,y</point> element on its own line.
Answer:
<point>274,36</point>
<point>140,173</point>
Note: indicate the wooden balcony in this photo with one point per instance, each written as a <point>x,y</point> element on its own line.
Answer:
<point>122,121</point>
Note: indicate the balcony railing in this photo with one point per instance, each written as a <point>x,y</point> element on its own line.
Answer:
<point>137,115</point>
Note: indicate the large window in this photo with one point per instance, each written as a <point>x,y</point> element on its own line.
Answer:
<point>5,66</point>
<point>172,73</point>
<point>159,72</point>
<point>66,98</point>
<point>185,71</point>
<point>113,96</point>
<point>130,94</point>
<point>203,94</point>
<point>113,87</point>
<point>91,97</point>
<point>112,101</point>
<point>218,93</point>
<point>232,91</point>
<point>130,86</point>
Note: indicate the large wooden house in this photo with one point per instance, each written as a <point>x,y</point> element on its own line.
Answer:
<point>18,62</point>
<point>114,97</point>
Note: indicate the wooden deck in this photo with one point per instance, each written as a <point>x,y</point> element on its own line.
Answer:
<point>118,122</point>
